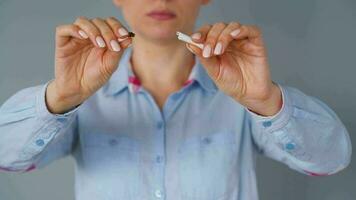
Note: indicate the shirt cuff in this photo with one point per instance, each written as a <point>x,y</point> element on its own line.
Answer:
<point>42,109</point>
<point>50,125</point>
<point>277,121</point>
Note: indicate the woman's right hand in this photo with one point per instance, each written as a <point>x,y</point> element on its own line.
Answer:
<point>87,54</point>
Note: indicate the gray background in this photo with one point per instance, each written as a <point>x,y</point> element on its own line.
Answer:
<point>311,46</point>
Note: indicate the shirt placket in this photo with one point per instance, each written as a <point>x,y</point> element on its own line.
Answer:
<point>160,129</point>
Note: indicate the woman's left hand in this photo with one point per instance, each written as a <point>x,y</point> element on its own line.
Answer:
<point>235,57</point>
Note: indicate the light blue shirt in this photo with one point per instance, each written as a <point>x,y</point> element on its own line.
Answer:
<point>201,146</point>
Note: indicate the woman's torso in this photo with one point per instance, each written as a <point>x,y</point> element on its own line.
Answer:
<point>199,147</point>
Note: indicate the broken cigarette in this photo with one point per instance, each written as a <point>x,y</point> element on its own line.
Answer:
<point>185,38</point>
<point>130,35</point>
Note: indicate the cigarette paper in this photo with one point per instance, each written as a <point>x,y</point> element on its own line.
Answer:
<point>185,38</point>
<point>130,35</point>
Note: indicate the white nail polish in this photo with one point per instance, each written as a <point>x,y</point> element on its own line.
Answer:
<point>123,32</point>
<point>207,51</point>
<point>235,32</point>
<point>100,41</point>
<point>196,36</point>
<point>218,49</point>
<point>115,46</point>
<point>83,34</point>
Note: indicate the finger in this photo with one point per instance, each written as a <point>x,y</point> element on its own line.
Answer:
<point>93,32</point>
<point>107,33</point>
<point>212,38</point>
<point>210,64</point>
<point>120,31</point>
<point>225,38</point>
<point>201,34</point>
<point>68,31</point>
<point>253,33</point>
<point>192,48</point>
<point>117,27</point>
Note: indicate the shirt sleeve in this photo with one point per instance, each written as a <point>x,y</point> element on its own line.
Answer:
<point>30,136</point>
<point>305,134</point>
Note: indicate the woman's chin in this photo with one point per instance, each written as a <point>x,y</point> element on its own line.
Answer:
<point>162,34</point>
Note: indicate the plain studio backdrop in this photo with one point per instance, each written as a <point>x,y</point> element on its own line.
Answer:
<point>311,46</point>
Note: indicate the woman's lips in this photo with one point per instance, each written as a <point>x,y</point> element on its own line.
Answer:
<point>161,15</point>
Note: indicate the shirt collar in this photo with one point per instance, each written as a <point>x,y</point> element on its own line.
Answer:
<point>124,78</point>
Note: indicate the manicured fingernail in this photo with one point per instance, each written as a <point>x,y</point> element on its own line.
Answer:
<point>123,31</point>
<point>115,46</point>
<point>83,34</point>
<point>196,36</point>
<point>218,49</point>
<point>207,51</point>
<point>235,32</point>
<point>100,41</point>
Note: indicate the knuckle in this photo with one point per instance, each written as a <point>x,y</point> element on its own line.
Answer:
<point>211,40</point>
<point>244,28</point>
<point>205,27</point>
<point>97,19</point>
<point>224,38</point>
<point>62,27</point>
<point>71,26</point>
<point>256,29</point>
<point>93,31</point>
<point>213,34</point>
<point>235,23</point>
<point>113,24</point>
<point>59,27</point>
<point>220,24</point>
<point>112,19</point>
<point>107,34</point>
<point>81,18</point>
<point>58,30</point>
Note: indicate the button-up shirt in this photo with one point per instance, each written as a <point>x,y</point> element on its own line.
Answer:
<point>202,145</point>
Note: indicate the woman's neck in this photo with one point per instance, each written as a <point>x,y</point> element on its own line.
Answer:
<point>165,66</point>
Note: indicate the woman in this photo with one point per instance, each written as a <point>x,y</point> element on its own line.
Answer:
<point>163,119</point>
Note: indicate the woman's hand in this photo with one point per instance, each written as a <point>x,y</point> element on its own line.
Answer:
<point>86,55</point>
<point>235,57</point>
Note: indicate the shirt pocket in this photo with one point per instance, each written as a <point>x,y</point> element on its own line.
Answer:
<point>105,149</point>
<point>111,161</point>
<point>207,166</point>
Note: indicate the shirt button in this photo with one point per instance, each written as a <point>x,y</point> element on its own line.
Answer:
<point>267,123</point>
<point>158,194</point>
<point>62,120</point>
<point>39,142</point>
<point>207,140</point>
<point>159,125</point>
<point>290,146</point>
<point>159,159</point>
<point>112,142</point>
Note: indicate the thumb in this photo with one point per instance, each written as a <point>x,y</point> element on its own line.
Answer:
<point>112,58</point>
<point>211,64</point>
<point>111,61</point>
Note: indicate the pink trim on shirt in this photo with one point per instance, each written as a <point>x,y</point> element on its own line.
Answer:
<point>188,82</point>
<point>134,84</point>
<point>32,167</point>
<point>134,80</point>
<point>316,174</point>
